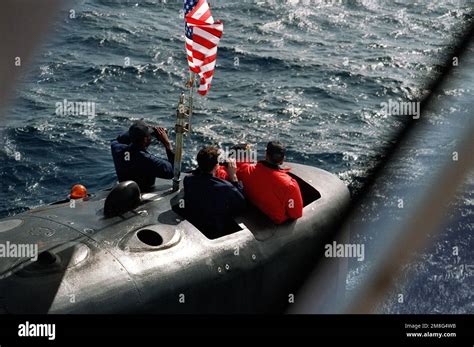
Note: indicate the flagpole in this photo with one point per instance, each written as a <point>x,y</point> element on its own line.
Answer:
<point>183,125</point>
<point>191,93</point>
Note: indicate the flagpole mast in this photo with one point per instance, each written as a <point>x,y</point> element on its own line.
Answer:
<point>191,93</point>
<point>183,126</point>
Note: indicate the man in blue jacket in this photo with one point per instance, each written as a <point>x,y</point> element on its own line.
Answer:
<point>210,202</point>
<point>132,160</point>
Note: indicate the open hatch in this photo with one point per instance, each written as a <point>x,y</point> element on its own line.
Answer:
<point>252,218</point>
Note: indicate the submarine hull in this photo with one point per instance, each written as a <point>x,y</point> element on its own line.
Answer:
<point>152,260</point>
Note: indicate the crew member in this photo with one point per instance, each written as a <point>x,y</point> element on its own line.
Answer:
<point>270,188</point>
<point>132,160</point>
<point>241,153</point>
<point>210,202</point>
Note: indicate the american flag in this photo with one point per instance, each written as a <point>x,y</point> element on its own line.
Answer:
<point>202,36</point>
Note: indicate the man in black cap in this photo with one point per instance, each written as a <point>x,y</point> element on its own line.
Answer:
<point>269,186</point>
<point>133,161</point>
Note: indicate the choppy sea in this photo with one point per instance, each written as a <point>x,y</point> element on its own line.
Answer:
<point>312,74</point>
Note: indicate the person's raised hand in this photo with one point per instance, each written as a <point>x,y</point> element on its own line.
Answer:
<point>162,136</point>
<point>232,170</point>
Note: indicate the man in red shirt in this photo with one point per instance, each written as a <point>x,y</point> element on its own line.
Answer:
<point>241,153</point>
<point>270,188</point>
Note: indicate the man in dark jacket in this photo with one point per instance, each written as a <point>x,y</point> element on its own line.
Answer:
<point>210,202</point>
<point>133,161</point>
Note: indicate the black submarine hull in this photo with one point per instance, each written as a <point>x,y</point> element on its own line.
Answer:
<point>151,260</point>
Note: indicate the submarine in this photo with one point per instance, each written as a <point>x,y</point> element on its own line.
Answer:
<point>120,251</point>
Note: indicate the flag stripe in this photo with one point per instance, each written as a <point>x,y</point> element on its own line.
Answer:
<point>208,36</point>
<point>203,42</point>
<point>202,12</point>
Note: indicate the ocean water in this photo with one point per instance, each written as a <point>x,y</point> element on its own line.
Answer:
<point>311,74</point>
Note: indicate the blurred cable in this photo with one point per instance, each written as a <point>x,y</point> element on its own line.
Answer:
<point>401,240</point>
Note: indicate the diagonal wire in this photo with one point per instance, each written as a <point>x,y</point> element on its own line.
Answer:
<point>447,185</point>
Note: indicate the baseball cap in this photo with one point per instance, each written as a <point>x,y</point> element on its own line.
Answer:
<point>139,130</point>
